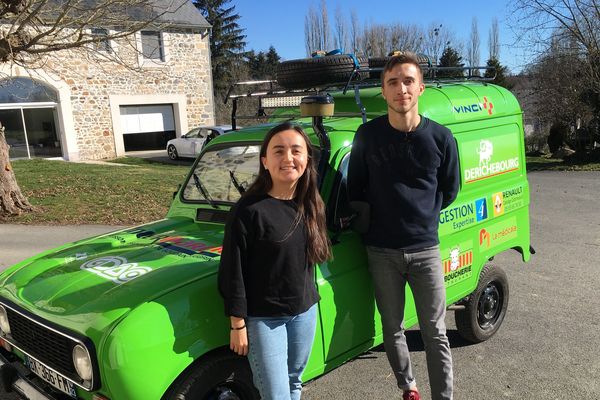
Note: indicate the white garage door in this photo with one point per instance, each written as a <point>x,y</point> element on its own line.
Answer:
<point>142,119</point>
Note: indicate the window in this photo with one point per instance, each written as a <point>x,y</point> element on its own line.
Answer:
<point>104,43</point>
<point>152,46</point>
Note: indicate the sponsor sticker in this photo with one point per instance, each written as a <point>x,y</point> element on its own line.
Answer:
<point>179,245</point>
<point>115,268</point>
<point>458,264</point>
<point>481,209</point>
<point>498,202</point>
<point>485,158</point>
<point>497,234</point>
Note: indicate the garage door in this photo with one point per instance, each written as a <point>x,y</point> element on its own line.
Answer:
<point>147,127</point>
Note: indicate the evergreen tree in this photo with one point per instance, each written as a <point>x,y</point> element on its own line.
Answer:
<point>226,41</point>
<point>498,72</point>
<point>450,58</point>
<point>262,65</point>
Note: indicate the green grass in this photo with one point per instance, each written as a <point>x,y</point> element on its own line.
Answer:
<point>76,193</point>
<point>553,164</point>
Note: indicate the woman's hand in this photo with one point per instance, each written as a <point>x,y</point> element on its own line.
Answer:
<point>238,338</point>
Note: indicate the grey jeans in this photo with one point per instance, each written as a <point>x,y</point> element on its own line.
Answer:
<point>391,269</point>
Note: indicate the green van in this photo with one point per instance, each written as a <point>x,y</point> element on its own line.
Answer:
<point>135,314</point>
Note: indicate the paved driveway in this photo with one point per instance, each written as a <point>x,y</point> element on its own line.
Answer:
<point>548,346</point>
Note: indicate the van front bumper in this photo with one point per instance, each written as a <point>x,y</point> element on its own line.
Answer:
<point>13,378</point>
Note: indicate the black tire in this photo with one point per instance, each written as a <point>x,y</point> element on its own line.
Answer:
<point>220,376</point>
<point>485,308</point>
<point>379,62</point>
<point>318,71</point>
<point>172,152</point>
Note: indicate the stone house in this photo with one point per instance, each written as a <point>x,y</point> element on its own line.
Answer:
<point>81,105</point>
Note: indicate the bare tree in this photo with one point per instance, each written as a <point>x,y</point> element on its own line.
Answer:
<point>541,21</point>
<point>494,40</point>
<point>312,31</point>
<point>473,46</point>
<point>340,28</point>
<point>354,31</point>
<point>32,31</point>
<point>317,32</point>
<point>436,39</point>
<point>325,29</point>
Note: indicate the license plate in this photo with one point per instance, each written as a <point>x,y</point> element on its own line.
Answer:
<point>50,376</point>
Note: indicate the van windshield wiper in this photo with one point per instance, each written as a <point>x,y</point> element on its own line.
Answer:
<point>236,184</point>
<point>203,191</point>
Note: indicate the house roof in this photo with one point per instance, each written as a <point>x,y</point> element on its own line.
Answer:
<point>179,13</point>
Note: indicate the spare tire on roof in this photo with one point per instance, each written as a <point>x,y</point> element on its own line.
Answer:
<point>313,72</point>
<point>379,62</point>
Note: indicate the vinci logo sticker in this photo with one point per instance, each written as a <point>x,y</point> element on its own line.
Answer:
<point>465,109</point>
<point>498,202</point>
<point>115,269</point>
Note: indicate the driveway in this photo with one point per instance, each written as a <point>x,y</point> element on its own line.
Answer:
<point>548,346</point>
<point>159,156</point>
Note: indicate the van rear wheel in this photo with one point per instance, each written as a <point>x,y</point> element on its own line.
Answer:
<point>220,376</point>
<point>485,308</point>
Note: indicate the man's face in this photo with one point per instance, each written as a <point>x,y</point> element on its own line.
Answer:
<point>402,86</point>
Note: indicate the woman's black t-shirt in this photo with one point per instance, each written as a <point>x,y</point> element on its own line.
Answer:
<point>264,271</point>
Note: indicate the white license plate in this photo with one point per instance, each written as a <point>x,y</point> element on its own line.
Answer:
<point>50,376</point>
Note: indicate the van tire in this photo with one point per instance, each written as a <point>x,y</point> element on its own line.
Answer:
<point>314,72</point>
<point>377,62</point>
<point>485,308</point>
<point>221,375</point>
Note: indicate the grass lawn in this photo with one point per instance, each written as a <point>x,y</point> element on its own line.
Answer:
<point>551,164</point>
<point>76,193</point>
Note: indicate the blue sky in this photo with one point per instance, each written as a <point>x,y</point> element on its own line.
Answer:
<point>281,23</point>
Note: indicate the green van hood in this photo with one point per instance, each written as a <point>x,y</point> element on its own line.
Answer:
<point>95,281</point>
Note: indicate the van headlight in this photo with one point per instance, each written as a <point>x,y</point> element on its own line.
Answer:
<point>4,325</point>
<point>82,362</point>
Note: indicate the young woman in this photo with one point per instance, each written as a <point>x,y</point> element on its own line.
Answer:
<point>274,236</point>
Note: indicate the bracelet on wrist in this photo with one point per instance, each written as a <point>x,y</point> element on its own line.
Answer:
<point>238,329</point>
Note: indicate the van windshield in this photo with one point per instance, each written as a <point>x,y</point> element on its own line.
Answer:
<point>222,172</point>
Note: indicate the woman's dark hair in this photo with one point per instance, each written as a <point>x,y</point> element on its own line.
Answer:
<point>310,205</point>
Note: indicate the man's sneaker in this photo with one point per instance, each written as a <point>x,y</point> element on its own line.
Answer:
<point>411,395</point>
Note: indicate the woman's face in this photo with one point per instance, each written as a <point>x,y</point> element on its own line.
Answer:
<point>286,157</point>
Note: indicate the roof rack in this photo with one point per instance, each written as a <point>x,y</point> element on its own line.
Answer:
<point>271,95</point>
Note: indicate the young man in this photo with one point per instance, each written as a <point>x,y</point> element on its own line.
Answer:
<point>405,167</point>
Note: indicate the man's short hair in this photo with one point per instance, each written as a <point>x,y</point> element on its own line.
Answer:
<point>403,58</point>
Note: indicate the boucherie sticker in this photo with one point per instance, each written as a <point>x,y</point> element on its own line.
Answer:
<point>115,268</point>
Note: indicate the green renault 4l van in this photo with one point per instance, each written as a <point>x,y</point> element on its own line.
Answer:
<point>135,314</point>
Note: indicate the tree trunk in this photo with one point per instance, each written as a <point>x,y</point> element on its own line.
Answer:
<point>12,201</point>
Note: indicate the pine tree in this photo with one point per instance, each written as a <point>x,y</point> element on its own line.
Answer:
<point>450,58</point>
<point>498,72</point>
<point>226,42</point>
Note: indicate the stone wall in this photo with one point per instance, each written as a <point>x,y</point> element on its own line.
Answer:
<point>94,76</point>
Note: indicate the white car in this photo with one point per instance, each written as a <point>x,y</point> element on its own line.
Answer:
<point>190,144</point>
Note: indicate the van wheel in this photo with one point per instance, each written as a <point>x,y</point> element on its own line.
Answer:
<point>308,73</point>
<point>220,376</point>
<point>485,308</point>
<point>172,152</point>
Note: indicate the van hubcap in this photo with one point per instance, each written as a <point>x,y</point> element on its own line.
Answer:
<point>489,306</point>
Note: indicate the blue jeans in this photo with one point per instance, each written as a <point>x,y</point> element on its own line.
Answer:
<point>278,350</point>
<point>391,270</point>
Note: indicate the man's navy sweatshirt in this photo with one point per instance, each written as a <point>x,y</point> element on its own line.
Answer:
<point>406,177</point>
